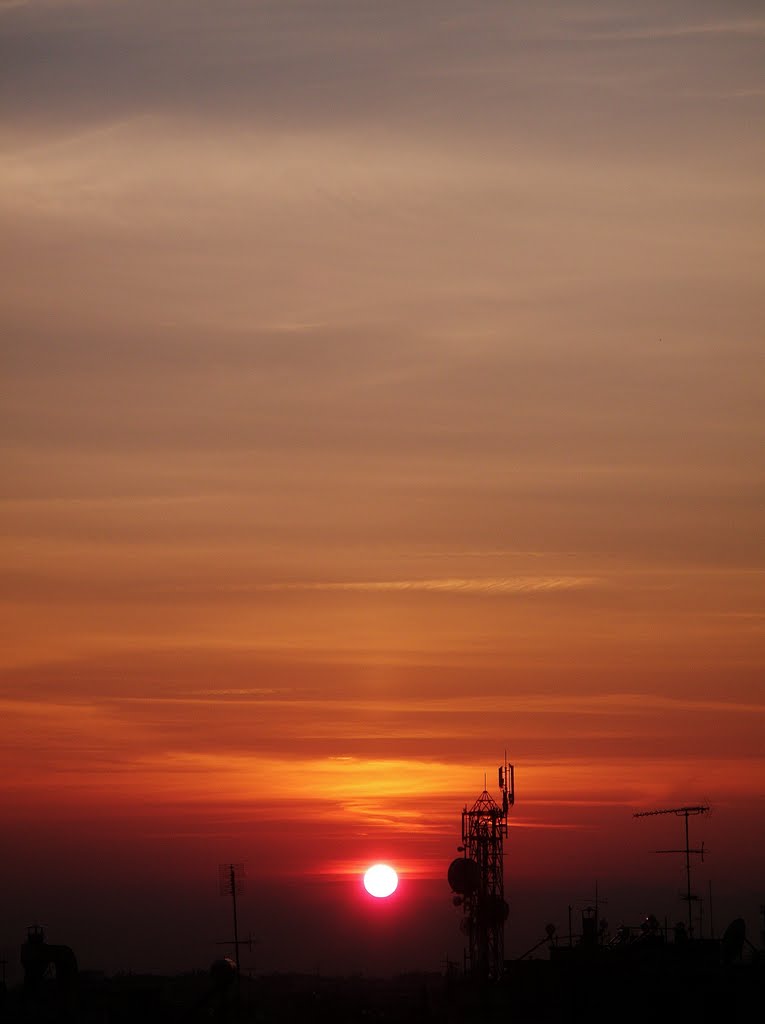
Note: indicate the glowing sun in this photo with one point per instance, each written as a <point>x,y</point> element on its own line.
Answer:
<point>380,880</point>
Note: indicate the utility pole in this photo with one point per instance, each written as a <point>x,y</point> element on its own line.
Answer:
<point>686,812</point>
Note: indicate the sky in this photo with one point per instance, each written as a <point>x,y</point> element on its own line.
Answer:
<point>382,391</point>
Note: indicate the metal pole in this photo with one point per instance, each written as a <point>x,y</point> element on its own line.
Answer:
<point>688,874</point>
<point>236,929</point>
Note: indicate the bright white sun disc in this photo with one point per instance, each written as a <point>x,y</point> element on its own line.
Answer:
<point>380,880</point>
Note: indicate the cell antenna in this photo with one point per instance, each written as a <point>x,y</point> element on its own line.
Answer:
<point>477,878</point>
<point>680,812</point>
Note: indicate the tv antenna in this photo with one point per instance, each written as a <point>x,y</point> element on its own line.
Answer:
<point>679,812</point>
<point>593,927</point>
<point>231,882</point>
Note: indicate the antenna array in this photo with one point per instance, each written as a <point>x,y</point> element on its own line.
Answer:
<point>686,812</point>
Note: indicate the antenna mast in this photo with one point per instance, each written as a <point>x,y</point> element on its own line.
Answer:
<point>230,879</point>
<point>687,812</point>
<point>478,877</point>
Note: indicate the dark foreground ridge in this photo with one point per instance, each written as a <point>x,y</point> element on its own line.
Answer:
<point>646,978</point>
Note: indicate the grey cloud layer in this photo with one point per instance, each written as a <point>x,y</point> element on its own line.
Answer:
<point>451,248</point>
<point>567,68</point>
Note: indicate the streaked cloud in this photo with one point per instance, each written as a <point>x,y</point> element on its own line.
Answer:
<point>749,27</point>
<point>480,585</point>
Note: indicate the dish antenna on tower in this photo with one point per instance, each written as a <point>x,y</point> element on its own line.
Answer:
<point>477,877</point>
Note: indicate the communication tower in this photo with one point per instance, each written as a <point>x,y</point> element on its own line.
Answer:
<point>477,878</point>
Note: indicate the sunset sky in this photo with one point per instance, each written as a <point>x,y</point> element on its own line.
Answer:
<point>382,390</point>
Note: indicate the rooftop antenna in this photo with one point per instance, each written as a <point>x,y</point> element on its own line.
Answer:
<point>687,812</point>
<point>230,880</point>
<point>593,927</point>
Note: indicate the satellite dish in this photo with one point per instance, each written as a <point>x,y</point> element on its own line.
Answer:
<point>464,876</point>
